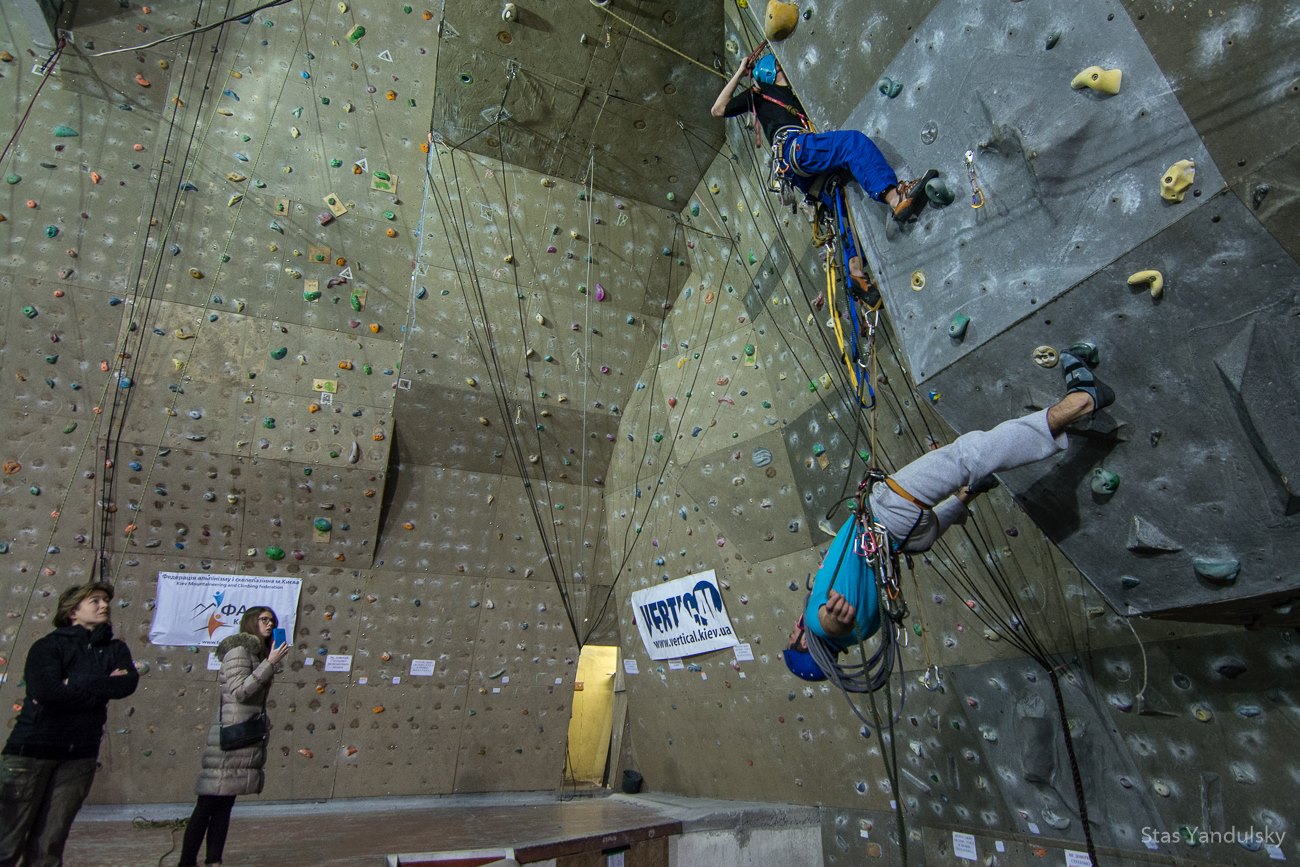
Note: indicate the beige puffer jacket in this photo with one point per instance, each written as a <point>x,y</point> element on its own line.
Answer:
<point>245,680</point>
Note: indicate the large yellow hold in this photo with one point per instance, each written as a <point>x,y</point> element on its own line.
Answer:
<point>782,16</point>
<point>1100,80</point>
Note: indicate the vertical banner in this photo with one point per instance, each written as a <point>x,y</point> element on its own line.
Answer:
<point>202,608</point>
<point>683,617</point>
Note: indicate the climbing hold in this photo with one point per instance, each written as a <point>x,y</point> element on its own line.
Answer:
<point>1222,571</point>
<point>782,16</point>
<point>1145,538</point>
<point>957,328</point>
<point>938,193</point>
<point>1104,481</point>
<point>196,273</point>
<point>600,292</point>
<point>355,34</point>
<point>889,88</point>
<point>1046,357</point>
<point>279,352</point>
<point>1176,179</point>
<point>322,525</point>
<point>1053,38</point>
<point>1153,280</point>
<point>141,80</point>
<point>918,280</point>
<point>275,552</point>
<point>1098,79</point>
<point>62,131</point>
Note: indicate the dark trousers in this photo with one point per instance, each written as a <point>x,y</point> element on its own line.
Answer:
<point>211,818</point>
<point>39,798</point>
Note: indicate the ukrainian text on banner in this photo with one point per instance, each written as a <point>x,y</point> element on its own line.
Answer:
<point>201,608</point>
<point>683,617</point>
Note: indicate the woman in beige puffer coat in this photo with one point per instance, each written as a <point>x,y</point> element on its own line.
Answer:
<point>247,666</point>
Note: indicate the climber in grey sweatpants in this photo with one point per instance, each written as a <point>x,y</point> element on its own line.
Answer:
<point>923,499</point>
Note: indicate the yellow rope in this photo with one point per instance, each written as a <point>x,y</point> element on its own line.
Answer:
<point>658,42</point>
<point>835,322</point>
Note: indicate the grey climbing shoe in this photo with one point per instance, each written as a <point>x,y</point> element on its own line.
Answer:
<point>1079,377</point>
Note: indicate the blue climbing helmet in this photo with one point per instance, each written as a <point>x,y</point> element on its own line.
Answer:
<point>800,662</point>
<point>765,69</point>
<point>802,666</point>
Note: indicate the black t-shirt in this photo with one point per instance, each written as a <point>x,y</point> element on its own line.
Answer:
<point>770,115</point>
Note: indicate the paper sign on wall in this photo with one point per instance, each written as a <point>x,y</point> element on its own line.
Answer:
<point>683,617</point>
<point>422,667</point>
<point>338,662</point>
<point>963,846</point>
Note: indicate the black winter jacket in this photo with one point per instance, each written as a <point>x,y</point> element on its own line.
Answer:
<point>66,720</point>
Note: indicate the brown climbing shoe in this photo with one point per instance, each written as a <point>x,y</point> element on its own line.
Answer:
<point>912,196</point>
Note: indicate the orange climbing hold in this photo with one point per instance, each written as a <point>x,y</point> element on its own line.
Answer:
<point>340,261</point>
<point>313,407</point>
<point>408,525</point>
<point>392,233</point>
<point>306,753</point>
<point>427,15</point>
<point>379,708</point>
<point>137,147</point>
<point>345,365</point>
<point>374,328</point>
<point>390,95</point>
<point>96,177</point>
<point>10,467</point>
<point>142,81</point>
<point>58,293</point>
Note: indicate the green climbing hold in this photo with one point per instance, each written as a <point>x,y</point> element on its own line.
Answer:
<point>659,437</point>
<point>1104,481</point>
<point>279,353</point>
<point>695,209</point>
<point>29,311</point>
<point>34,490</point>
<point>1085,352</point>
<point>767,404</point>
<point>4,547</point>
<point>322,525</point>
<point>383,176</point>
<point>355,34</point>
<point>389,215</point>
<point>1222,571</point>
<point>52,359</point>
<point>51,231</point>
<point>12,178</point>
<point>672,197</point>
<point>311,295</point>
<point>818,450</point>
<point>865,455</point>
<point>938,193</point>
<point>367,369</point>
<point>275,552</point>
<point>916,627</point>
<point>69,428</point>
<point>324,100</point>
<point>63,131</point>
<point>355,300</point>
<point>957,328</point>
<point>1053,38</point>
<point>268,423</point>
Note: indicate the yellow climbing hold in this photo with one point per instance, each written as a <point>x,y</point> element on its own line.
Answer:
<point>1100,80</point>
<point>1177,178</point>
<point>1046,356</point>
<point>782,16</point>
<point>1154,280</point>
<point>196,273</point>
<point>236,177</point>
<point>918,281</point>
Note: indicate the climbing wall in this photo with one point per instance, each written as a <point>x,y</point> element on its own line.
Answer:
<point>751,442</point>
<point>317,344</point>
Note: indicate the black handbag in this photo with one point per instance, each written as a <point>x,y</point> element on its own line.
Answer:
<point>252,731</point>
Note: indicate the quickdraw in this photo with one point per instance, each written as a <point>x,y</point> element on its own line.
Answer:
<point>976,194</point>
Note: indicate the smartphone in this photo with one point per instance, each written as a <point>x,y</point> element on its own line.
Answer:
<point>278,637</point>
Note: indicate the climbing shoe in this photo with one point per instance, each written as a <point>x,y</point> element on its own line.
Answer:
<point>912,196</point>
<point>1079,377</point>
<point>983,484</point>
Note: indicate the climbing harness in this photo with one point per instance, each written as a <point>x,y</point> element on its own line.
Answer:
<point>976,194</point>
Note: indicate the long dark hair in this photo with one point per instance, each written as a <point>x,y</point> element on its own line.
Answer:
<point>248,623</point>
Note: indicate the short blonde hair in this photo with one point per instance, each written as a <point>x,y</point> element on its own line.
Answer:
<point>72,597</point>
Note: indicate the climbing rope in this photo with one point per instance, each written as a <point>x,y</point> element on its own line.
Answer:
<point>604,7</point>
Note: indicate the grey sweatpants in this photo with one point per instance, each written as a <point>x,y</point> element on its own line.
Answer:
<point>936,476</point>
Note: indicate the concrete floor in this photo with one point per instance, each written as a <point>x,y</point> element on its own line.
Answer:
<point>344,833</point>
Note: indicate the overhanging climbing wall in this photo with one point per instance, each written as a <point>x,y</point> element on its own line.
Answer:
<point>1073,216</point>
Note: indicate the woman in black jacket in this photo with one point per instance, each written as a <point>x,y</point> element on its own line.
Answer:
<point>49,762</point>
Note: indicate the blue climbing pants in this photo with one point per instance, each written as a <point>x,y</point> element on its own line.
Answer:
<point>815,153</point>
<point>934,477</point>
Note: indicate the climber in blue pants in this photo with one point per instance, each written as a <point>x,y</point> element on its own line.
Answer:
<point>801,157</point>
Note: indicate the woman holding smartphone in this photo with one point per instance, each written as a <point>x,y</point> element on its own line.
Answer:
<point>248,659</point>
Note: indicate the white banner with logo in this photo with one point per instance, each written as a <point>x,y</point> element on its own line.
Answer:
<point>201,608</point>
<point>683,617</point>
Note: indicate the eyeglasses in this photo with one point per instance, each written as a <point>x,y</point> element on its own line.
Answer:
<point>265,619</point>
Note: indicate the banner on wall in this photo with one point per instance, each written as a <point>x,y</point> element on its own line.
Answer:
<point>202,608</point>
<point>683,617</point>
